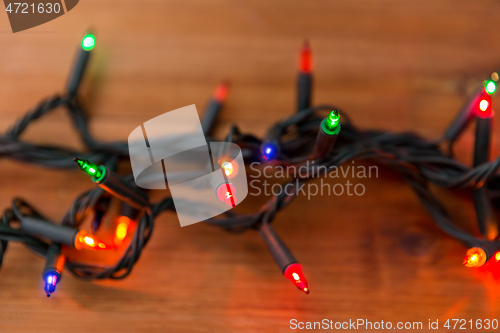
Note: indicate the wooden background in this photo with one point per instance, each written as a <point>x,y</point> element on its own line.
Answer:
<point>393,64</point>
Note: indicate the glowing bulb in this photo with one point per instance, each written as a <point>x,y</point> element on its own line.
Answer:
<point>472,260</point>
<point>269,151</point>
<point>333,119</point>
<point>305,58</point>
<point>490,87</point>
<point>231,202</point>
<point>221,92</point>
<point>89,241</point>
<point>228,168</point>
<point>88,42</point>
<point>475,257</point>
<point>294,273</point>
<point>50,284</point>
<point>226,193</point>
<point>331,124</point>
<point>497,256</point>
<point>483,105</point>
<point>121,231</point>
<point>96,172</point>
<point>85,241</point>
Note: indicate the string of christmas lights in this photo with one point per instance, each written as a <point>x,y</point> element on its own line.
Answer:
<point>322,134</point>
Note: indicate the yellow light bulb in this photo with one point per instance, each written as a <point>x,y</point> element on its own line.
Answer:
<point>121,231</point>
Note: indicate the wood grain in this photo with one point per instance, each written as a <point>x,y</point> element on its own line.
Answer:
<point>393,64</point>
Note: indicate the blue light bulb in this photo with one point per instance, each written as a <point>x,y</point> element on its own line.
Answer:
<point>269,151</point>
<point>50,283</point>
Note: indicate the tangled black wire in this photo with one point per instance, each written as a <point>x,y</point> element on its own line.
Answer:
<point>419,161</point>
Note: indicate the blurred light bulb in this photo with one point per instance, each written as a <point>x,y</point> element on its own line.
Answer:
<point>483,105</point>
<point>88,42</point>
<point>228,168</point>
<point>475,257</point>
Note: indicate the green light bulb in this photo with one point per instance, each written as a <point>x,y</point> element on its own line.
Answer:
<point>490,87</point>
<point>96,172</point>
<point>88,42</point>
<point>331,124</point>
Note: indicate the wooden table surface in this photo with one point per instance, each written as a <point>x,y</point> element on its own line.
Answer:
<point>392,64</point>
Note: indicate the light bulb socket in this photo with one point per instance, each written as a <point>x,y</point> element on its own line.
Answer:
<point>123,190</point>
<point>129,211</point>
<point>54,261</point>
<point>57,233</point>
<point>482,142</point>
<point>464,116</point>
<point>326,138</point>
<point>279,251</point>
<point>213,108</point>
<point>304,90</point>
<point>77,72</point>
<point>210,116</point>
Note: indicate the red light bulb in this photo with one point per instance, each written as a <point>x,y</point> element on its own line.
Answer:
<point>226,193</point>
<point>305,58</point>
<point>221,92</point>
<point>294,274</point>
<point>231,202</point>
<point>485,109</point>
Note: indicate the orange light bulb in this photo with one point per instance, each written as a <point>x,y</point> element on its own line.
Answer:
<point>228,168</point>
<point>475,257</point>
<point>121,229</point>
<point>89,241</point>
<point>83,240</point>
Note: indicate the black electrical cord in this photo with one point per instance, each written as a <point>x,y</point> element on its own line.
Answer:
<point>419,161</point>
